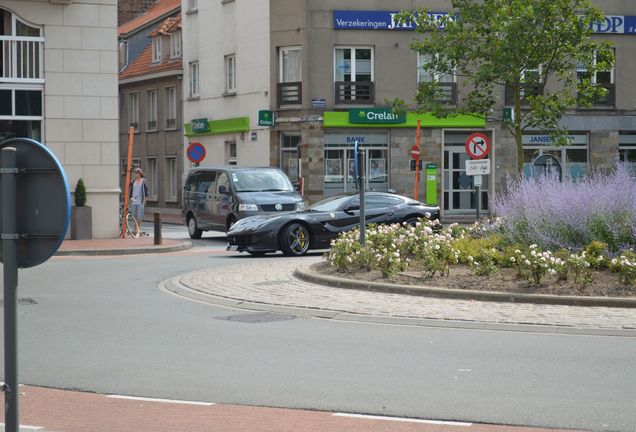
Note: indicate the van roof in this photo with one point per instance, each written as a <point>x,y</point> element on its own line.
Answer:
<point>230,168</point>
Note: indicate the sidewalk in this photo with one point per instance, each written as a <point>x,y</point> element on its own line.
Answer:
<point>127,246</point>
<point>49,410</point>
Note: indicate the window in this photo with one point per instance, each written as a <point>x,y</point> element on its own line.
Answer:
<point>123,54</point>
<point>21,103</point>
<point>171,107</point>
<point>175,44</point>
<point>289,152</point>
<point>603,78</point>
<point>151,109</point>
<point>354,64</point>
<point>290,67</point>
<point>353,73</point>
<point>171,174</point>
<point>230,73</point>
<point>427,76</point>
<point>156,49</point>
<point>133,111</point>
<point>627,150</point>
<point>135,163</point>
<point>193,5</point>
<point>222,180</point>
<point>194,79</point>
<point>151,178</point>
<point>230,153</point>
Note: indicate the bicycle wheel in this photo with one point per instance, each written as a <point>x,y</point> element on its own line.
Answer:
<point>131,226</point>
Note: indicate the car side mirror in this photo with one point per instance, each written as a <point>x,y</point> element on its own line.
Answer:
<point>223,190</point>
<point>351,208</point>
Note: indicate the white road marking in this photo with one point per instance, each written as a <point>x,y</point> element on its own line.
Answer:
<point>25,427</point>
<point>172,401</point>
<point>406,420</point>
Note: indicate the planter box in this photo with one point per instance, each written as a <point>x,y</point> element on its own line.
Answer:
<point>81,223</point>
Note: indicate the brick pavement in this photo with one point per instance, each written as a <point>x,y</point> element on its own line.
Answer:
<point>67,411</point>
<point>269,281</point>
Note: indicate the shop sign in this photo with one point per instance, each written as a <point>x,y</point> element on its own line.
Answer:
<point>615,24</point>
<point>375,116</point>
<point>374,20</point>
<point>548,140</point>
<point>265,118</point>
<point>318,103</point>
<point>200,125</point>
<point>346,139</point>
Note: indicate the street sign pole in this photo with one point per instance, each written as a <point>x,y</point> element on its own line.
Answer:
<point>360,156</point>
<point>477,180</point>
<point>10,268</point>
<point>416,186</point>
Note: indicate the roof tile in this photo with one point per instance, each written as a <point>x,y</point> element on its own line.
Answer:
<point>157,10</point>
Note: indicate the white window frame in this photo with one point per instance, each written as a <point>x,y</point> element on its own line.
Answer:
<point>172,177</point>
<point>175,44</point>
<point>151,110</point>
<point>123,54</point>
<point>171,107</point>
<point>353,63</point>
<point>594,78</point>
<point>134,163</point>
<point>156,49</point>
<point>281,56</point>
<point>229,158</point>
<point>152,176</point>
<point>435,76</point>
<point>194,78</point>
<point>133,111</point>
<point>230,73</point>
<point>193,5</point>
<point>13,115</point>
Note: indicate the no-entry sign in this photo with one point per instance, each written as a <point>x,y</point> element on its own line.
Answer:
<point>478,146</point>
<point>195,152</point>
<point>415,152</point>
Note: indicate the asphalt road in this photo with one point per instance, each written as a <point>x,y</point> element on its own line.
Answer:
<point>101,324</point>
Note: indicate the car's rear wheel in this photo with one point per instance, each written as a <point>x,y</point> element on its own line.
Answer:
<point>295,239</point>
<point>193,231</point>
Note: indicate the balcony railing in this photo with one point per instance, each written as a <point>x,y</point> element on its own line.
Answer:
<point>529,89</point>
<point>171,123</point>
<point>152,125</point>
<point>355,93</point>
<point>609,100</point>
<point>21,59</point>
<point>290,93</point>
<point>448,93</point>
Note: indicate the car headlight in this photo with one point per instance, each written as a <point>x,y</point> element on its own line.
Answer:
<point>300,205</point>
<point>248,207</point>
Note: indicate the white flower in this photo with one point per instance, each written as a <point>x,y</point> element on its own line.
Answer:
<point>533,253</point>
<point>517,251</point>
<point>512,259</point>
<point>436,247</point>
<point>526,262</point>
<point>533,246</point>
<point>470,258</point>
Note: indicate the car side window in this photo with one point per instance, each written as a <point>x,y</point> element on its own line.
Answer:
<point>393,201</point>
<point>222,181</point>
<point>192,183</point>
<point>206,181</point>
<point>371,202</point>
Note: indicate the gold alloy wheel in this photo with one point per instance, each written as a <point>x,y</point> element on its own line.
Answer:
<point>297,239</point>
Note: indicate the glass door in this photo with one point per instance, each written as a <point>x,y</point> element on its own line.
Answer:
<point>459,188</point>
<point>340,173</point>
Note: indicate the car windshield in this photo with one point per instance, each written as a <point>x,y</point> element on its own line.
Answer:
<point>267,180</point>
<point>330,204</point>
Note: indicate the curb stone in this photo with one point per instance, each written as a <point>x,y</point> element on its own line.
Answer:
<point>126,251</point>
<point>308,274</point>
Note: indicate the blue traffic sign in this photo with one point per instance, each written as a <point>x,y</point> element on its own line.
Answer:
<point>195,152</point>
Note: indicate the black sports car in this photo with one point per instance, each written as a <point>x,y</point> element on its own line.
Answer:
<point>314,228</point>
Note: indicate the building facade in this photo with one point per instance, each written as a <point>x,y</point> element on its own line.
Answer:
<point>58,85</point>
<point>150,91</point>
<point>226,58</point>
<point>332,65</point>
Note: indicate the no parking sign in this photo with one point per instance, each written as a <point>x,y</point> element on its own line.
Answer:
<point>195,152</point>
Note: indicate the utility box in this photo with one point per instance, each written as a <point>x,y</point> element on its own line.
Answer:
<point>430,181</point>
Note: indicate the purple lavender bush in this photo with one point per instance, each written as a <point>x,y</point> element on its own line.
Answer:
<point>554,214</point>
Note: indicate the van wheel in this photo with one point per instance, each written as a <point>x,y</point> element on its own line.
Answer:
<point>295,239</point>
<point>193,231</point>
<point>230,222</point>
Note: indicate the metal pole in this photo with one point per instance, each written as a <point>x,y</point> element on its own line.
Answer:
<point>10,260</point>
<point>478,201</point>
<point>157,236</point>
<point>362,178</point>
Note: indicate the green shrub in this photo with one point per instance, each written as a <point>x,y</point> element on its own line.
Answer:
<point>625,266</point>
<point>80,194</point>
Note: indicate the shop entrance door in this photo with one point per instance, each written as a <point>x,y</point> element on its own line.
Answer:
<point>459,188</point>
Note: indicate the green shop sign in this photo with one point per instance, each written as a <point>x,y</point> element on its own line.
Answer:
<point>265,118</point>
<point>375,116</point>
<point>200,125</point>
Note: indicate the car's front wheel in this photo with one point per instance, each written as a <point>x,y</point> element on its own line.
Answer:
<point>295,239</point>
<point>193,231</point>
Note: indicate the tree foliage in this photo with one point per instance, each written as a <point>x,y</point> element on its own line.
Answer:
<point>541,50</point>
<point>80,194</point>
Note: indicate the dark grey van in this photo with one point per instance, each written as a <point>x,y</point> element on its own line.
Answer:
<point>215,198</point>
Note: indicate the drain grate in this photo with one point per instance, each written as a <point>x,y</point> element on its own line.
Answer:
<point>23,301</point>
<point>259,318</point>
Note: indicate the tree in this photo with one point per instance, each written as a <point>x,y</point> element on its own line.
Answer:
<point>520,44</point>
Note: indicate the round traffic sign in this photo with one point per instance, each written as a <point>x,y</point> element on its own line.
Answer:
<point>43,202</point>
<point>195,152</point>
<point>478,146</point>
<point>415,152</point>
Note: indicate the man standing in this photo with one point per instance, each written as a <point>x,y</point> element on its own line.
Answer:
<point>138,197</point>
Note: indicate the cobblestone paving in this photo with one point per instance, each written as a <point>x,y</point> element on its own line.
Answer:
<point>271,281</point>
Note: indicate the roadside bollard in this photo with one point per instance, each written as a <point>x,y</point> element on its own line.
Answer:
<point>158,239</point>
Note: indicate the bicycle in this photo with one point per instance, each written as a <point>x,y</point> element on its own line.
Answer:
<point>131,223</point>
